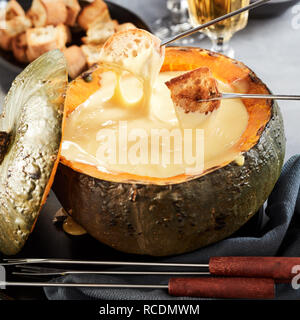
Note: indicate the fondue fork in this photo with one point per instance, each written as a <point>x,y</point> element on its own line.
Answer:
<point>252,96</point>
<point>209,23</point>
<point>29,270</point>
<point>277,268</point>
<point>12,262</point>
<point>208,287</point>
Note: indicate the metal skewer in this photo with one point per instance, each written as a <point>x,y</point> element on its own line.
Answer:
<point>82,285</point>
<point>253,96</point>
<point>185,287</point>
<point>207,24</point>
<point>29,270</point>
<point>144,273</point>
<point>111,263</point>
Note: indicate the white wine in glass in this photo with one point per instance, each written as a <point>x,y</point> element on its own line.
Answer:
<point>202,11</point>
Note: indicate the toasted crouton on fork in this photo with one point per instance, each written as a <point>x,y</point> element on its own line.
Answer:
<point>189,89</point>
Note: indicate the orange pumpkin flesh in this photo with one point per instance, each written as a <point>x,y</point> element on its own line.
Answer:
<point>180,59</point>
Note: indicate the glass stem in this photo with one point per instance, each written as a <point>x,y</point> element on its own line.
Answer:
<point>178,10</point>
<point>221,46</point>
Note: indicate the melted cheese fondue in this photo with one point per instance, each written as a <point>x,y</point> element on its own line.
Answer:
<point>111,117</point>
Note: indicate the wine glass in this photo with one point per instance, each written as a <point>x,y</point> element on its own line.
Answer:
<point>177,21</point>
<point>202,11</point>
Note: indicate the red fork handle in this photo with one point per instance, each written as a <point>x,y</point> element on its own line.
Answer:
<point>234,288</point>
<point>277,268</point>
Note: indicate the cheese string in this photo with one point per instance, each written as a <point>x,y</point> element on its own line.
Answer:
<point>118,98</point>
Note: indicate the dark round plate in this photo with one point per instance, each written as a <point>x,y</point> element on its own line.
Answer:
<point>117,12</point>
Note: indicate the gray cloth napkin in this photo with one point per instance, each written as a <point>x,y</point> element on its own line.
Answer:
<point>280,236</point>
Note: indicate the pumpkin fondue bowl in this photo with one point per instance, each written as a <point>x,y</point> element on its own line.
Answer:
<point>164,209</point>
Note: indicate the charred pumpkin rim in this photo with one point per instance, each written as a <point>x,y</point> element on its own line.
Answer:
<point>180,59</point>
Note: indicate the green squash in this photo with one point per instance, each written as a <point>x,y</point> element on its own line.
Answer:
<point>184,213</point>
